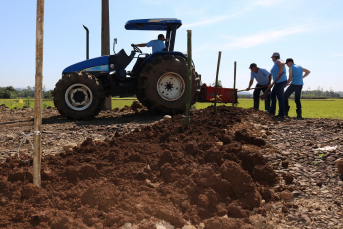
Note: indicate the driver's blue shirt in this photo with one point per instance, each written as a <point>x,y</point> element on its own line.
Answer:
<point>157,45</point>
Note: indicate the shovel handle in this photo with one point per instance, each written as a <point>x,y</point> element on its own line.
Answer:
<point>271,86</point>
<point>252,88</point>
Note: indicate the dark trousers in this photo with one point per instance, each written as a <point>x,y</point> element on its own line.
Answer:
<point>278,91</point>
<point>289,91</point>
<point>256,95</point>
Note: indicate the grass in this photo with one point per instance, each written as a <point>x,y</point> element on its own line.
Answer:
<point>20,103</point>
<point>311,108</point>
<point>322,108</point>
<point>121,102</point>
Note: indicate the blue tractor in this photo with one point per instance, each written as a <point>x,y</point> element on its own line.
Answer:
<point>158,80</point>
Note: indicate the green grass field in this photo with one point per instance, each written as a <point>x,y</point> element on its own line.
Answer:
<point>19,103</point>
<point>321,108</point>
<point>311,108</point>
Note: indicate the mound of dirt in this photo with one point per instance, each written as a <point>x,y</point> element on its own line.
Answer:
<point>134,107</point>
<point>166,171</point>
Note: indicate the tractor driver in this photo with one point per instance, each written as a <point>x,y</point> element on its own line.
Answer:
<point>157,45</point>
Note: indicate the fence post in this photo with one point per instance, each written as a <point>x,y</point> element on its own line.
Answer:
<point>37,143</point>
<point>105,41</point>
<point>189,79</point>
<point>216,83</point>
<point>234,86</point>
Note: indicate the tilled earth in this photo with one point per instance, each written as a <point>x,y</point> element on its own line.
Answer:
<point>233,169</point>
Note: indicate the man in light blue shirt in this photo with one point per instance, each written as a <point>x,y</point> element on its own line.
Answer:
<point>280,79</point>
<point>157,45</point>
<point>263,78</point>
<point>296,77</point>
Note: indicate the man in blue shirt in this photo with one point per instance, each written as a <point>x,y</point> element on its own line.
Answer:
<point>296,77</point>
<point>278,73</point>
<point>157,45</point>
<point>263,78</point>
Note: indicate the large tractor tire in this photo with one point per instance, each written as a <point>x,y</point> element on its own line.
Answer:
<point>162,85</point>
<point>79,96</point>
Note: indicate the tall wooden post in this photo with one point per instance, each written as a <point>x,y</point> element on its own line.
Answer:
<point>216,83</point>
<point>189,79</point>
<point>234,86</point>
<point>105,28</point>
<point>105,40</point>
<point>37,143</point>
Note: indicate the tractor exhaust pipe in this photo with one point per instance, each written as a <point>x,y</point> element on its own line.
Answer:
<point>87,42</point>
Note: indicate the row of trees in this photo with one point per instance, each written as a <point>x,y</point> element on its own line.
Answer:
<point>319,92</point>
<point>12,93</point>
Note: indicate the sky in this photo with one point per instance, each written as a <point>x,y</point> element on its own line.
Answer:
<point>245,31</point>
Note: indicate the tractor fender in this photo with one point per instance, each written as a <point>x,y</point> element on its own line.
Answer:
<point>160,54</point>
<point>155,55</point>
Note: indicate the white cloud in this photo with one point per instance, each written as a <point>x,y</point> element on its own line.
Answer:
<point>265,3</point>
<point>245,8</point>
<point>207,21</point>
<point>263,37</point>
<point>254,39</point>
<point>337,54</point>
<point>154,2</point>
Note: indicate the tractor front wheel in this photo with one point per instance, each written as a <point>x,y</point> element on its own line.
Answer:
<point>78,96</point>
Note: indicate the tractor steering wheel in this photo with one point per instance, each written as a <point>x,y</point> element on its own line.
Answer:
<point>135,48</point>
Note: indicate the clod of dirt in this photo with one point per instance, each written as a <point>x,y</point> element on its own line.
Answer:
<point>225,223</point>
<point>264,174</point>
<point>288,177</point>
<point>69,146</point>
<point>136,106</point>
<point>286,195</point>
<point>285,164</point>
<point>340,166</point>
<point>240,180</point>
<point>236,211</point>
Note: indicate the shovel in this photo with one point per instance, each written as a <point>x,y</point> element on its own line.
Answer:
<point>263,96</point>
<point>252,88</point>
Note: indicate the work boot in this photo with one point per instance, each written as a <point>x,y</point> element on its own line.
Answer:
<point>286,111</point>
<point>271,113</point>
<point>279,118</point>
<point>299,116</point>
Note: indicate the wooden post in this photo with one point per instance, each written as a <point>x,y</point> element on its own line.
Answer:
<point>189,79</point>
<point>216,83</point>
<point>105,40</point>
<point>105,28</point>
<point>234,86</point>
<point>37,143</point>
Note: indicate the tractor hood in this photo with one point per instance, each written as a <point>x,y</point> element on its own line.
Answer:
<point>152,24</point>
<point>97,64</point>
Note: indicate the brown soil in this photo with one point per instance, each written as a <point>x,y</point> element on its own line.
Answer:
<point>164,171</point>
<point>133,170</point>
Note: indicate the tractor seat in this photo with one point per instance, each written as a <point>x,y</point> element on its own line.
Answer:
<point>123,59</point>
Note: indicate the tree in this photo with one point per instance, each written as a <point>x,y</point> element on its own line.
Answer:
<point>219,84</point>
<point>48,94</point>
<point>8,92</point>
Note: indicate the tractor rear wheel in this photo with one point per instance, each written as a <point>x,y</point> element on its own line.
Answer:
<point>162,85</point>
<point>78,96</point>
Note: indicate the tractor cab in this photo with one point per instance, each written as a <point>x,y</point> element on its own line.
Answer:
<point>168,25</point>
<point>163,24</point>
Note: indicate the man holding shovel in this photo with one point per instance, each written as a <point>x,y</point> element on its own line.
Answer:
<point>296,77</point>
<point>263,78</point>
<point>280,79</point>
